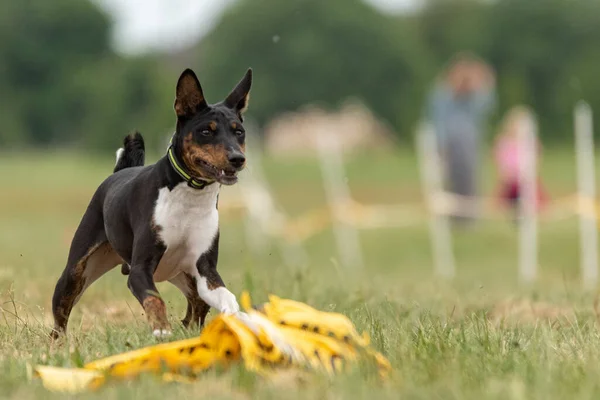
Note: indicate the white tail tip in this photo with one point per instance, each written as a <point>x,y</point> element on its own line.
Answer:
<point>119,154</point>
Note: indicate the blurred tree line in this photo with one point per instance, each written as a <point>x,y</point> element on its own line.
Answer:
<point>61,82</point>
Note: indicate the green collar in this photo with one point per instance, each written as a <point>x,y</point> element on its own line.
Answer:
<point>191,181</point>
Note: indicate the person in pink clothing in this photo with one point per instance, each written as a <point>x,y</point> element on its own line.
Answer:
<point>506,158</point>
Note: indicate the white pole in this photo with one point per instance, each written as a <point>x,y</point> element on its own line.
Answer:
<point>338,196</point>
<point>588,230</point>
<point>431,180</point>
<point>527,200</point>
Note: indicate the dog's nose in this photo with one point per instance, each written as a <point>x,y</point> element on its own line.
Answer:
<point>237,160</point>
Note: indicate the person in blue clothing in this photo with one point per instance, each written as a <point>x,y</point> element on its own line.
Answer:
<point>459,105</point>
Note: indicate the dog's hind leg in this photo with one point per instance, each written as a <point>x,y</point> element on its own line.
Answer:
<point>90,257</point>
<point>197,309</point>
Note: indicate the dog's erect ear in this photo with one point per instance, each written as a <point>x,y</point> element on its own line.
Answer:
<point>189,97</point>
<point>238,98</point>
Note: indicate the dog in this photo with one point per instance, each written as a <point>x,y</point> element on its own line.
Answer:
<point>160,222</point>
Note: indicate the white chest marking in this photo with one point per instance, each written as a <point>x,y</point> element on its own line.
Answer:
<point>188,222</point>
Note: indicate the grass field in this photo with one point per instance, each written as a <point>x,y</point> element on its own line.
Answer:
<point>480,336</point>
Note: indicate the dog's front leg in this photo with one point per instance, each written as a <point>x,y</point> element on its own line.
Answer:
<point>212,290</point>
<point>211,287</point>
<point>141,283</point>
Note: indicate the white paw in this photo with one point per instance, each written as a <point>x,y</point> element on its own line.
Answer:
<point>228,302</point>
<point>220,299</point>
<point>161,333</point>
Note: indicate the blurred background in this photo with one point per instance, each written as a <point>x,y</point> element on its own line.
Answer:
<point>82,73</point>
<point>76,76</point>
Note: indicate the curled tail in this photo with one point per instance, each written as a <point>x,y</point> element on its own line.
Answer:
<point>132,154</point>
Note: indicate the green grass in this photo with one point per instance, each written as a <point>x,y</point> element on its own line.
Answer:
<point>479,336</point>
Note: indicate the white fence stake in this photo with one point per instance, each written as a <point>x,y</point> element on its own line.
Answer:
<point>528,249</point>
<point>586,188</point>
<point>431,179</point>
<point>338,196</point>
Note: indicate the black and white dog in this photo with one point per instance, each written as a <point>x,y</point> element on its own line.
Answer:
<point>161,221</point>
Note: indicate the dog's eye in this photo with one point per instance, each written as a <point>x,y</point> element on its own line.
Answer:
<point>206,132</point>
<point>239,133</point>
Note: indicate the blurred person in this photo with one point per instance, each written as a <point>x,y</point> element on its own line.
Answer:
<point>459,105</point>
<point>506,159</point>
